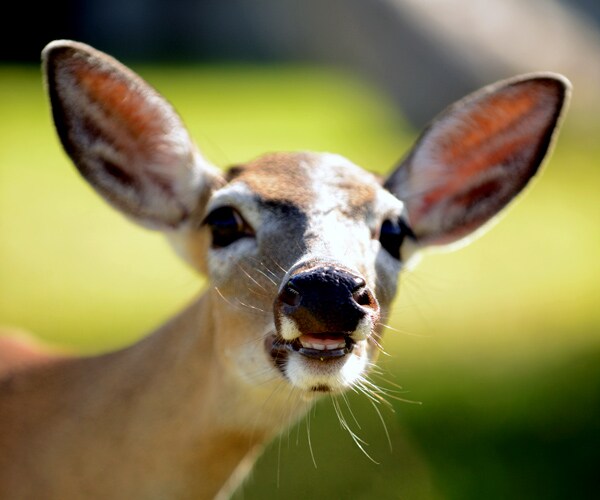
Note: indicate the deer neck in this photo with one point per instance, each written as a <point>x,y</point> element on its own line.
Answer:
<point>190,400</point>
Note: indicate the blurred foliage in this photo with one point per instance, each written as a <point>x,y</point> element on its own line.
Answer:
<point>499,342</point>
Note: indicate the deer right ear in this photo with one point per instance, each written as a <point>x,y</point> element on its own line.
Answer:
<point>124,138</point>
<point>477,156</point>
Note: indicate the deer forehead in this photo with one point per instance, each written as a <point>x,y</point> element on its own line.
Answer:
<point>317,186</point>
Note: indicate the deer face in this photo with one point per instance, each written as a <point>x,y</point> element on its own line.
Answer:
<point>302,250</point>
<point>296,244</point>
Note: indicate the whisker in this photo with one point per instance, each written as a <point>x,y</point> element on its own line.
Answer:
<point>375,389</point>
<point>389,327</point>
<point>403,331</point>
<point>238,303</point>
<point>266,276</point>
<point>377,344</point>
<point>385,429</point>
<point>250,277</point>
<point>279,266</point>
<point>345,398</point>
<point>222,296</point>
<point>310,447</point>
<point>357,440</point>
<point>268,269</point>
<point>371,395</point>
<point>250,306</point>
<point>380,374</point>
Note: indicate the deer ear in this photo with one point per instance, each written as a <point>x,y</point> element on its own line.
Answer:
<point>124,138</point>
<point>475,157</point>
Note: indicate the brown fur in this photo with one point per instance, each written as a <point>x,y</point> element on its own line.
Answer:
<point>184,413</point>
<point>282,178</point>
<point>161,428</point>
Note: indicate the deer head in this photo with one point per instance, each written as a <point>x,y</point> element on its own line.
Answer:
<point>303,250</point>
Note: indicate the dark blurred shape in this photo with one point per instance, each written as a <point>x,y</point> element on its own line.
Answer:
<point>423,54</point>
<point>28,27</point>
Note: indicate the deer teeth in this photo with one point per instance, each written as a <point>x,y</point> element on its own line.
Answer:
<point>322,347</point>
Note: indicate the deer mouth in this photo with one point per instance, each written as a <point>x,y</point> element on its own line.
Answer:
<point>322,346</point>
<point>324,362</point>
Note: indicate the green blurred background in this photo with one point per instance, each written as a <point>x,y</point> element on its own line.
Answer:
<point>498,344</point>
<point>495,356</point>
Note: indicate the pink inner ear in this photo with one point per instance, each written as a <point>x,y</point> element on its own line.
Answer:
<point>475,159</point>
<point>123,103</point>
<point>490,118</point>
<point>124,138</point>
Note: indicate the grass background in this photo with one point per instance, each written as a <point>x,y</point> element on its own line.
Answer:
<point>499,343</point>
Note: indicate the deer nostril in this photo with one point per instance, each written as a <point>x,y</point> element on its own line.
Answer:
<point>363,297</point>
<point>290,296</point>
<point>361,293</point>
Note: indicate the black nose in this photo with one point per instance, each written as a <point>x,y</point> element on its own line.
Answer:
<point>326,299</point>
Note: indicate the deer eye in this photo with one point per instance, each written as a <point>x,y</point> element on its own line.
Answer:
<point>392,234</point>
<point>226,226</point>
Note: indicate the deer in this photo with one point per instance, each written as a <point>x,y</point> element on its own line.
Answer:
<point>302,252</point>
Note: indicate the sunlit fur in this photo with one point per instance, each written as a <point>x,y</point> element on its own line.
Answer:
<point>184,413</point>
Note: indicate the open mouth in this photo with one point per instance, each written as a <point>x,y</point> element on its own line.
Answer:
<point>319,362</point>
<point>320,346</point>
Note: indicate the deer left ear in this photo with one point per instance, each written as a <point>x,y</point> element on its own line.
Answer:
<point>475,157</point>
<point>124,138</point>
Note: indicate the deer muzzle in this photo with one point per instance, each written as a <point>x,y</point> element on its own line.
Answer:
<point>322,312</point>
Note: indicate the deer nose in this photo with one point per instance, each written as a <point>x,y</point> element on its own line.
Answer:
<point>326,299</point>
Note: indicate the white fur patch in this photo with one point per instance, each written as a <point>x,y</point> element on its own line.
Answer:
<point>288,329</point>
<point>307,374</point>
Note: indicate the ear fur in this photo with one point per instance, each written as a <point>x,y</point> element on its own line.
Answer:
<point>124,138</point>
<point>476,156</point>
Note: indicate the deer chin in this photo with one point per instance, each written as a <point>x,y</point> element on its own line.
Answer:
<point>330,362</point>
